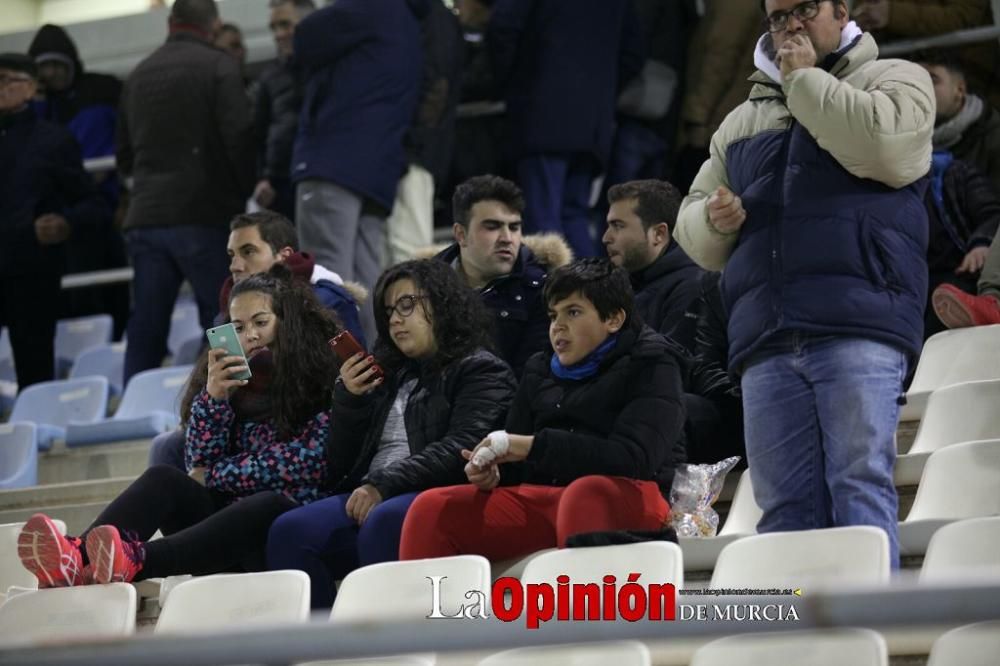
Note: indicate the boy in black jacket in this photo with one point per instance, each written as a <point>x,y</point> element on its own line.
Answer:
<point>594,427</point>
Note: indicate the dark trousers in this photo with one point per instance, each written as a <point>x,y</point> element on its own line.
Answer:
<point>557,197</point>
<point>168,449</point>
<point>29,308</point>
<point>162,259</point>
<point>203,533</point>
<point>326,543</point>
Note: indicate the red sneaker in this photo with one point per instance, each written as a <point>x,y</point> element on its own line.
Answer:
<point>957,309</point>
<point>114,559</point>
<point>55,560</point>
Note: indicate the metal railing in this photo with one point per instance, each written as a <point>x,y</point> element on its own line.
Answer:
<point>907,606</point>
<point>950,39</point>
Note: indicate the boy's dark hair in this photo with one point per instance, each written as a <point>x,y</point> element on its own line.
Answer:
<point>457,314</point>
<point>600,282</point>
<point>230,27</point>
<point>274,228</point>
<point>939,58</point>
<point>199,13</point>
<point>485,188</point>
<point>305,367</point>
<point>657,201</point>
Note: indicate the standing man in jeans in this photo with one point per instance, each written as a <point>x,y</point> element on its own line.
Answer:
<point>812,201</point>
<point>363,62</point>
<point>185,137</point>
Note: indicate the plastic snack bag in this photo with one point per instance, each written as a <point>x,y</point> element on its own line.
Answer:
<point>694,491</point>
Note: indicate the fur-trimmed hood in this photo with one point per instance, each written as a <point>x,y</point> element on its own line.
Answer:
<point>550,249</point>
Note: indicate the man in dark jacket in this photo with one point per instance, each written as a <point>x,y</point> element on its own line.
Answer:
<point>967,125</point>
<point>279,100</point>
<point>491,256</point>
<point>560,64</point>
<point>638,239</point>
<point>87,104</point>
<point>430,139</point>
<point>964,213</point>
<point>185,137</point>
<point>257,241</point>
<point>45,198</point>
<point>364,63</point>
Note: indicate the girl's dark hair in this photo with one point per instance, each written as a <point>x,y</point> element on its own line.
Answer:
<point>457,315</point>
<point>305,367</point>
<point>602,283</point>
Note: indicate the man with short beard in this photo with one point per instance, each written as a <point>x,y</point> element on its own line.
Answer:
<point>812,200</point>
<point>638,239</point>
<point>508,270</point>
<point>967,125</point>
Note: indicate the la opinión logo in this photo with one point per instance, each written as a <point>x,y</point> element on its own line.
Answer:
<point>541,602</point>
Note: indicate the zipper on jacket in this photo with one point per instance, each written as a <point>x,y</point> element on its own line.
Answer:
<point>776,274</point>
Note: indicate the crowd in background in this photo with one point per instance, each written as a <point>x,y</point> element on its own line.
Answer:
<point>845,212</point>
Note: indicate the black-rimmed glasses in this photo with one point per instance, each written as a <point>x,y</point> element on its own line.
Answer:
<point>804,11</point>
<point>405,305</point>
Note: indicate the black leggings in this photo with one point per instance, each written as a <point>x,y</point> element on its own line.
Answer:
<point>203,533</point>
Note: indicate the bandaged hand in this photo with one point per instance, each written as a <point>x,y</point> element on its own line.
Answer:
<point>500,447</point>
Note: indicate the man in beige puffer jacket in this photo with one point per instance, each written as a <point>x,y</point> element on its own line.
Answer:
<point>812,203</point>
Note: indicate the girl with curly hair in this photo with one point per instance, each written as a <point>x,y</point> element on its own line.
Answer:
<point>442,392</point>
<point>256,449</point>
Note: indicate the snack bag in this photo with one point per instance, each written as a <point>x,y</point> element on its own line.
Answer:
<point>694,491</point>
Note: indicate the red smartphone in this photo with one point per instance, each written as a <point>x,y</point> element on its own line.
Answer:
<point>345,346</point>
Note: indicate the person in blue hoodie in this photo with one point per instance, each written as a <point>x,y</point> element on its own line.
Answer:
<point>85,103</point>
<point>364,63</point>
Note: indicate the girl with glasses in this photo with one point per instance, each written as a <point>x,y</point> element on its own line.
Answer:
<point>401,430</point>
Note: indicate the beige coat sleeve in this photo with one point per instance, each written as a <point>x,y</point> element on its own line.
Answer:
<point>881,130</point>
<point>708,248</point>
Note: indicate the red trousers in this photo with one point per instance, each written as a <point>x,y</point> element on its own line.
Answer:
<point>511,521</point>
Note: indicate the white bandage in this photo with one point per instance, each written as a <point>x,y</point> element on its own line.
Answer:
<point>498,447</point>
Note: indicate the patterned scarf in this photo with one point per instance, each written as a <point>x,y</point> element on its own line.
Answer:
<point>252,402</point>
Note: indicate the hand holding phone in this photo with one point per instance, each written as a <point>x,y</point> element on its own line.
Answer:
<point>227,364</point>
<point>359,371</point>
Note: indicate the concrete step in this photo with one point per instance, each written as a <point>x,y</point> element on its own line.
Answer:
<point>92,463</point>
<point>77,503</point>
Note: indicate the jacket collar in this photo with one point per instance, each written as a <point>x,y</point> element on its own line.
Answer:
<point>24,117</point>
<point>672,259</point>
<point>525,267</point>
<point>857,53</point>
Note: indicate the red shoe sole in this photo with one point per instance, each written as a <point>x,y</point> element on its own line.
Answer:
<point>40,547</point>
<point>103,546</point>
<point>951,311</point>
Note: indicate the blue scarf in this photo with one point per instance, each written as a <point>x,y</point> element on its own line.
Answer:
<point>588,366</point>
<point>940,162</point>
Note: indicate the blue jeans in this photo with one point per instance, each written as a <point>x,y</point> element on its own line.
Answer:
<point>322,540</point>
<point>163,257</point>
<point>820,414</point>
<point>557,197</point>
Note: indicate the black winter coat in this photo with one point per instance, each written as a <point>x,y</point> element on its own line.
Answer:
<point>276,117</point>
<point>185,135</point>
<point>973,215</point>
<point>561,64</point>
<point>521,320</point>
<point>448,410</point>
<point>624,421</point>
<point>43,173</point>
<point>663,292</point>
